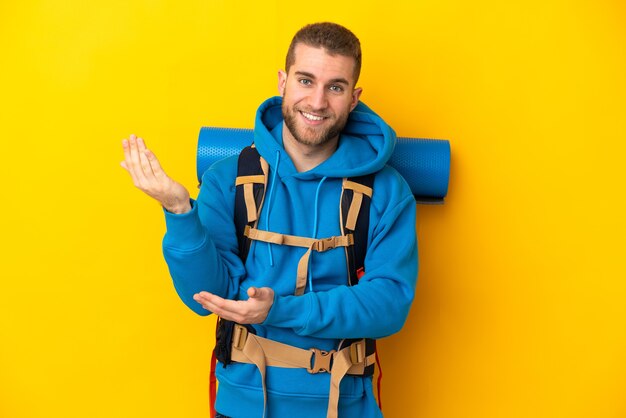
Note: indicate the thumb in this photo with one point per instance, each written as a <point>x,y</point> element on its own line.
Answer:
<point>253,292</point>
<point>258,292</point>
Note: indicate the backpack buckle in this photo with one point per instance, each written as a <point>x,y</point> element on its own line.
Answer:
<point>240,335</point>
<point>357,352</point>
<point>322,361</point>
<point>325,244</point>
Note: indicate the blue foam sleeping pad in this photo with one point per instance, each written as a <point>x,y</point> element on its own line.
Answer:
<point>424,163</point>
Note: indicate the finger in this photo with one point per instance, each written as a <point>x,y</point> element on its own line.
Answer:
<point>228,309</point>
<point>202,295</point>
<point>125,146</point>
<point>223,313</point>
<point>202,302</point>
<point>135,162</point>
<point>207,300</point>
<point>143,159</point>
<point>126,149</point>
<point>127,163</point>
<point>156,165</point>
<point>141,145</point>
<point>132,151</point>
<point>132,147</point>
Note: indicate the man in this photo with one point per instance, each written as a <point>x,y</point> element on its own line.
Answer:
<point>312,137</point>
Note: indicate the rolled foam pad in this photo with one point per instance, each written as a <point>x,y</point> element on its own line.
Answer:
<point>424,163</point>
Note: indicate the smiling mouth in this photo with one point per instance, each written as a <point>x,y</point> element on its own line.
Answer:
<point>311,117</point>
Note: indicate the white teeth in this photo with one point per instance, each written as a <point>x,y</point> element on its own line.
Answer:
<point>311,117</point>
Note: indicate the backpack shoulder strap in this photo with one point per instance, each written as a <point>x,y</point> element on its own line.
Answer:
<point>251,184</point>
<point>356,196</point>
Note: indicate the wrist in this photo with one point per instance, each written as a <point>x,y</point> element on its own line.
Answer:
<point>178,208</point>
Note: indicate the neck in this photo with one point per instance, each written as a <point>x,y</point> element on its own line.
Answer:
<point>306,157</point>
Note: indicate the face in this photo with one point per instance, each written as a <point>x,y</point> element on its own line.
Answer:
<point>318,95</point>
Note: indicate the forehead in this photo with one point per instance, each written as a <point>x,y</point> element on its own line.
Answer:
<point>321,64</point>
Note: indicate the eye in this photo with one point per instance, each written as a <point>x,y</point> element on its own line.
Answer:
<point>336,88</point>
<point>305,81</point>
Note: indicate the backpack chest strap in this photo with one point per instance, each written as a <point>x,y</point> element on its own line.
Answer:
<point>311,244</point>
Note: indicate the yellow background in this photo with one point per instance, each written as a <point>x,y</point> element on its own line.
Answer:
<point>521,304</point>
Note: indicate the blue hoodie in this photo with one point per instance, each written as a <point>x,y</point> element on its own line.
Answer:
<point>201,250</point>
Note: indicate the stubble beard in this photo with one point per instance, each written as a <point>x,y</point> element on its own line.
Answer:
<point>309,135</point>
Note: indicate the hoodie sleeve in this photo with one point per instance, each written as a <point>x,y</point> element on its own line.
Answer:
<point>379,304</point>
<point>200,246</point>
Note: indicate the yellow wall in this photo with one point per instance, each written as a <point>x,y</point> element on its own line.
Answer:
<point>520,306</point>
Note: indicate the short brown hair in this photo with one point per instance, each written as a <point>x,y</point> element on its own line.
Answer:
<point>334,38</point>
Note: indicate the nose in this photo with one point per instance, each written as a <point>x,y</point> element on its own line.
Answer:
<point>318,99</point>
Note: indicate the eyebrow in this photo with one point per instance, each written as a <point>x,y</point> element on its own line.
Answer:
<point>334,80</point>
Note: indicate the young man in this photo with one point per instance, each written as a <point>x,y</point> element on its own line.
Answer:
<point>313,137</point>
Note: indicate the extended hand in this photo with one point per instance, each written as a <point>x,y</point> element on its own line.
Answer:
<point>251,311</point>
<point>148,176</point>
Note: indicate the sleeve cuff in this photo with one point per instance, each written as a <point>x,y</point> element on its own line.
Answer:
<point>287,312</point>
<point>184,230</point>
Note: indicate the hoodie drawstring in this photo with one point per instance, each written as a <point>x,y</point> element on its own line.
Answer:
<point>314,234</point>
<point>269,205</point>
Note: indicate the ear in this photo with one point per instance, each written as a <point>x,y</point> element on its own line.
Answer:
<point>356,94</point>
<point>282,82</point>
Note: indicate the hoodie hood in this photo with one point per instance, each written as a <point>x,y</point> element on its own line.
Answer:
<point>365,144</point>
